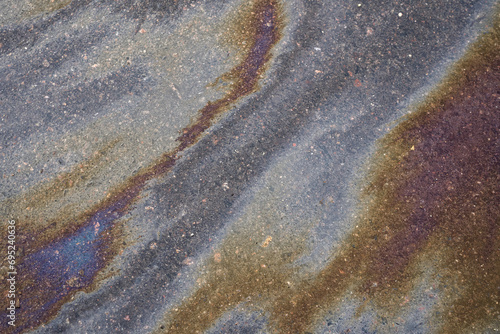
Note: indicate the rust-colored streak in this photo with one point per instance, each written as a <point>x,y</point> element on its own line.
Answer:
<point>69,253</point>
<point>433,198</point>
<point>265,22</point>
<point>257,29</point>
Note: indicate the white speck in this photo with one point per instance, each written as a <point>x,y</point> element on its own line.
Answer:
<point>317,49</point>
<point>176,91</point>
<point>400,14</point>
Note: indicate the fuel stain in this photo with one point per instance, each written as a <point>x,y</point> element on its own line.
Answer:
<point>430,200</point>
<point>71,252</point>
<point>432,194</point>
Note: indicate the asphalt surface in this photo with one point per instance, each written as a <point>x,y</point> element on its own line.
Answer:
<point>257,166</point>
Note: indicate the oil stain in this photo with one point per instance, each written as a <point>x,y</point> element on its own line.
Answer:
<point>35,201</point>
<point>430,201</point>
<point>70,253</point>
<point>260,31</point>
<point>432,198</point>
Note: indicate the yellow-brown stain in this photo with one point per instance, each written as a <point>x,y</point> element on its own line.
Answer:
<point>36,7</point>
<point>430,202</point>
<point>258,34</point>
<point>50,229</point>
<point>49,206</point>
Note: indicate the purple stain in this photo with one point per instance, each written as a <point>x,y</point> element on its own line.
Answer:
<point>71,262</point>
<point>67,265</point>
<point>264,39</point>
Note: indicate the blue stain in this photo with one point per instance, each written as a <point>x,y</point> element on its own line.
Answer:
<point>70,263</point>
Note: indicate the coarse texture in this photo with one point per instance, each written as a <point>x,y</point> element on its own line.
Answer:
<point>251,166</point>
